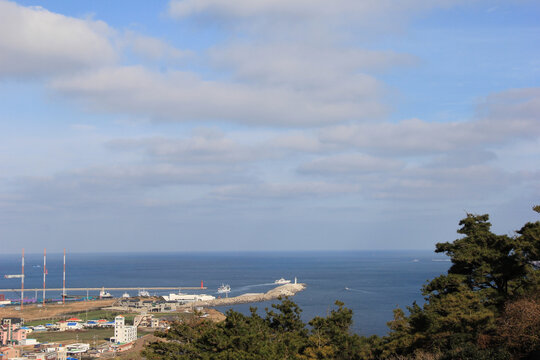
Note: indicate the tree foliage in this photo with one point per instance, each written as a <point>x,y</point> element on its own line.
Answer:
<point>461,316</point>
<point>281,334</point>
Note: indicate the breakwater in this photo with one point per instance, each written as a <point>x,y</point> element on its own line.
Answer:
<point>280,291</point>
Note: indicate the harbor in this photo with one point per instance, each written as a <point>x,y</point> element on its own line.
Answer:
<point>108,320</point>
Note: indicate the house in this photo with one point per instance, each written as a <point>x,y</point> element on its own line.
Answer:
<point>91,324</point>
<point>8,352</point>
<point>72,325</point>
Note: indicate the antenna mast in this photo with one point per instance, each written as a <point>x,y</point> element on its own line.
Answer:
<point>44,272</point>
<point>64,280</point>
<point>22,281</point>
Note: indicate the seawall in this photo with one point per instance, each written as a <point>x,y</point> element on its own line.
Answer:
<point>283,290</point>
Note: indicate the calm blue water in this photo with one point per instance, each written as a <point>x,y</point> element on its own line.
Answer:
<point>377,282</point>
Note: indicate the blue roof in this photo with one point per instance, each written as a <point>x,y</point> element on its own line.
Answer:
<point>71,323</point>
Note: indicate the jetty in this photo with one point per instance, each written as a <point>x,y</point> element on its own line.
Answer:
<point>280,291</point>
<point>108,288</point>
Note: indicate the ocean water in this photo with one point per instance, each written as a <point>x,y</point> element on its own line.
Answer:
<point>371,283</point>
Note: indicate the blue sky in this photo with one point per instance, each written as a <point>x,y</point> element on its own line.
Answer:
<point>190,125</point>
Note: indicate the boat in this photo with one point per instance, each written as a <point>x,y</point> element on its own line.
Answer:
<point>104,294</point>
<point>282,281</point>
<point>125,295</point>
<point>143,293</point>
<point>224,289</point>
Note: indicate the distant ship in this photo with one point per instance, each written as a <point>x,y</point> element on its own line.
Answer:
<point>282,281</point>
<point>104,294</point>
<point>224,289</point>
<point>125,295</point>
<point>143,293</point>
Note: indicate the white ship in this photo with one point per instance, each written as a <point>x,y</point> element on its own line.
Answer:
<point>125,295</point>
<point>143,293</point>
<point>224,289</point>
<point>104,294</point>
<point>282,281</point>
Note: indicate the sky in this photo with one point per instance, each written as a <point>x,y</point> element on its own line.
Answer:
<point>219,125</point>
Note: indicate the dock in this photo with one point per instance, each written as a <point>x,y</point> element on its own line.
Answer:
<point>109,288</point>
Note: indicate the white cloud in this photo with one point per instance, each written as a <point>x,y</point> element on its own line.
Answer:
<point>152,48</point>
<point>306,66</point>
<point>203,147</point>
<point>351,9</point>
<point>37,42</point>
<point>350,164</point>
<point>183,96</point>
<point>291,191</point>
<point>504,118</point>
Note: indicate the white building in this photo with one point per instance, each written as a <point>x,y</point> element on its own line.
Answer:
<point>123,333</point>
<point>185,298</point>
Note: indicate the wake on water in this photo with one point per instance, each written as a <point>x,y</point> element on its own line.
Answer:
<point>359,290</point>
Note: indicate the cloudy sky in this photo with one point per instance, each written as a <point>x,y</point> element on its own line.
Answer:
<point>189,125</point>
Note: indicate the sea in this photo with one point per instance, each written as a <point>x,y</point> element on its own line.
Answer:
<point>371,283</point>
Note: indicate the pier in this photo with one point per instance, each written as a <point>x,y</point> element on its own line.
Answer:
<point>110,288</point>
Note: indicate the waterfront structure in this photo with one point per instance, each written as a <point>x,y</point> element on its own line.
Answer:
<point>123,333</point>
<point>3,300</point>
<point>185,298</point>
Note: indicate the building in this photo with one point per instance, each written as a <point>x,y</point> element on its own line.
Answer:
<point>11,333</point>
<point>123,333</point>
<point>42,356</point>
<point>3,300</point>
<point>8,352</point>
